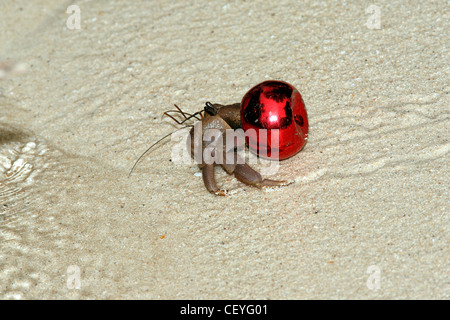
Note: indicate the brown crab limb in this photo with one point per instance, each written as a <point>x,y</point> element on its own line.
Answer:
<point>247,175</point>
<point>221,118</point>
<point>210,181</point>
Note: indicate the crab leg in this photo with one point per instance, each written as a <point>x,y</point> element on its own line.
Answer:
<point>247,175</point>
<point>210,181</point>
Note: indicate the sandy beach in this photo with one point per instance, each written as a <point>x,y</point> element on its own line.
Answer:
<point>366,216</point>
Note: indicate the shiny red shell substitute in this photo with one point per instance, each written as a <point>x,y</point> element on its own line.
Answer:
<point>274,105</point>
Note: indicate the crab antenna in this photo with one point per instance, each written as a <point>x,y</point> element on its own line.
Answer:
<point>179,111</point>
<point>186,118</point>
<point>148,149</point>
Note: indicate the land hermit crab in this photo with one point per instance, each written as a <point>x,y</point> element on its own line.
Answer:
<point>273,123</point>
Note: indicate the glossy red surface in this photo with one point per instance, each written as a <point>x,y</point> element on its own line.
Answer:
<point>273,105</point>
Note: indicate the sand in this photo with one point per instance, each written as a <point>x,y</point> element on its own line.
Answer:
<point>367,216</point>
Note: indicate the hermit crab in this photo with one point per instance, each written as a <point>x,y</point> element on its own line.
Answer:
<point>272,122</point>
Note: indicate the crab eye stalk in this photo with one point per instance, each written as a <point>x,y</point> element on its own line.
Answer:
<point>210,109</point>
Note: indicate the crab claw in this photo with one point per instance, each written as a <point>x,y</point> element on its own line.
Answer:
<point>244,173</point>
<point>210,181</point>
